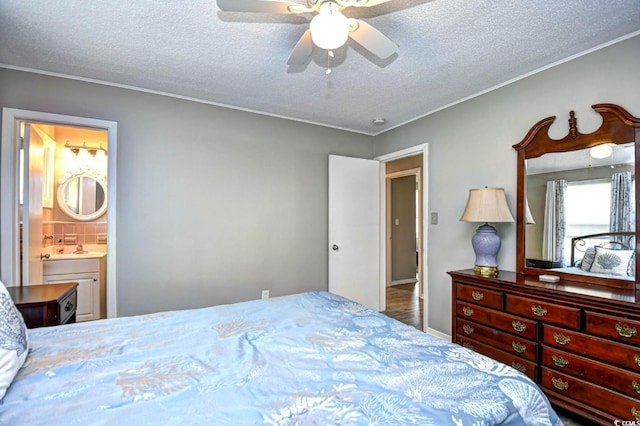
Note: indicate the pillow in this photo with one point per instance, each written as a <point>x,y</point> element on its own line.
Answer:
<point>614,262</point>
<point>587,259</point>
<point>14,344</point>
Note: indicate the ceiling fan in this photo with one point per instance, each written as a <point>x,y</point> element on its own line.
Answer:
<point>329,28</point>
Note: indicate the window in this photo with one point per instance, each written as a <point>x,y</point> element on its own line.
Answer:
<point>587,211</point>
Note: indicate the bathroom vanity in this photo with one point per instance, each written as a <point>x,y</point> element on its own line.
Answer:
<point>89,271</point>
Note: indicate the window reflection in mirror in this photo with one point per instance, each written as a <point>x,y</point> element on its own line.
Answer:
<point>569,194</point>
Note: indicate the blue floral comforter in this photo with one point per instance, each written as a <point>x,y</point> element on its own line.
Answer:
<point>313,358</point>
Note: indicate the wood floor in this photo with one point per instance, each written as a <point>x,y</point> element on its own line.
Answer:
<point>404,304</point>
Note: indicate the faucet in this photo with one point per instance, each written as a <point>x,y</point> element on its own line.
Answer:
<point>80,250</point>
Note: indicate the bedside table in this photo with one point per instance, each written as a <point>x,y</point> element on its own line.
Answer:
<point>46,305</point>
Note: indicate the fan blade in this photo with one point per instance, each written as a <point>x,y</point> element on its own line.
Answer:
<point>372,40</point>
<point>370,3</point>
<point>302,51</point>
<point>260,6</point>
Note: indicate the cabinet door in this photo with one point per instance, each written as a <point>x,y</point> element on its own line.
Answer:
<point>88,293</point>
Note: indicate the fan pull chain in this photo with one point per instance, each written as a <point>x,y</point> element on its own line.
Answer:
<point>329,56</point>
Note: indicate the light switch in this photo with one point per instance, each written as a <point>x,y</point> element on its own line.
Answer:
<point>434,218</point>
<point>397,221</point>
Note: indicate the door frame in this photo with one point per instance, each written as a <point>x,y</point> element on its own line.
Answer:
<point>9,218</point>
<point>407,152</point>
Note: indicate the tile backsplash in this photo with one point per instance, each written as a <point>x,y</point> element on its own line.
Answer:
<point>73,233</point>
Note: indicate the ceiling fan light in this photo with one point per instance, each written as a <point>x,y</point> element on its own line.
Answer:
<point>601,151</point>
<point>329,28</point>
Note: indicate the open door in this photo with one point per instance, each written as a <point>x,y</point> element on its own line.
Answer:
<point>354,229</point>
<point>33,154</point>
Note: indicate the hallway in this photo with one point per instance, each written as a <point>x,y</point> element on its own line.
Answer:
<point>404,304</point>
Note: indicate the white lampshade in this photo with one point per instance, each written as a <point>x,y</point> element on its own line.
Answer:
<point>528,216</point>
<point>329,28</point>
<point>487,205</point>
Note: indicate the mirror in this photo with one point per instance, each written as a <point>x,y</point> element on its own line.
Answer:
<point>82,195</point>
<point>576,206</point>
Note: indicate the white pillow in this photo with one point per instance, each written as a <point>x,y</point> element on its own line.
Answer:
<point>14,343</point>
<point>614,262</point>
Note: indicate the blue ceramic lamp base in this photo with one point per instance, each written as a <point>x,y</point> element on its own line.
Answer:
<point>486,245</point>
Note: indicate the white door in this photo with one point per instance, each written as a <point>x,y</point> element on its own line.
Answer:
<point>354,229</point>
<point>32,207</point>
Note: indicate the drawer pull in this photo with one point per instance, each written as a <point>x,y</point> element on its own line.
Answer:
<point>559,384</point>
<point>518,326</point>
<point>636,358</point>
<point>636,386</point>
<point>477,295</point>
<point>561,339</point>
<point>467,311</point>
<point>521,368</point>
<point>559,361</point>
<point>467,329</point>
<point>635,413</point>
<point>468,345</point>
<point>625,331</point>
<point>538,311</point>
<point>518,347</point>
<point>68,306</point>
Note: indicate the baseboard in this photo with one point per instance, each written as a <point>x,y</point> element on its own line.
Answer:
<point>407,281</point>
<point>438,334</point>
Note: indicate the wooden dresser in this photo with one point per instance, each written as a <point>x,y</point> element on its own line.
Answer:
<point>46,305</point>
<point>580,342</point>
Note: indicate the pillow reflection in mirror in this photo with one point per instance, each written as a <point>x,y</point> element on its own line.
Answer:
<point>587,259</point>
<point>614,262</point>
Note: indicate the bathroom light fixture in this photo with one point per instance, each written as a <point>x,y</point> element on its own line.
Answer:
<point>329,28</point>
<point>93,151</point>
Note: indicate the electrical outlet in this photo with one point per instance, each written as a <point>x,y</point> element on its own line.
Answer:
<point>265,294</point>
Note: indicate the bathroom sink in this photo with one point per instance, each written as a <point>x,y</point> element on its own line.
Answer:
<point>86,255</point>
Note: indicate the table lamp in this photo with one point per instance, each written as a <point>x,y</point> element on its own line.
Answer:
<point>486,205</point>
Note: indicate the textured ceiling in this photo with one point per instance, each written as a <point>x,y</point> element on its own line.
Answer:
<point>448,50</point>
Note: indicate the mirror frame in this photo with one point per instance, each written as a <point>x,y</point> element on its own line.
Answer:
<point>618,127</point>
<point>80,173</point>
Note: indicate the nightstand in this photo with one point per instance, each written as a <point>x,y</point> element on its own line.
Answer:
<point>46,305</point>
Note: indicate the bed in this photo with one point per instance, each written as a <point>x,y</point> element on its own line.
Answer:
<point>606,255</point>
<point>311,358</point>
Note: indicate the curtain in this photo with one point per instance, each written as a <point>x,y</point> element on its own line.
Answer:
<point>623,206</point>
<point>554,221</point>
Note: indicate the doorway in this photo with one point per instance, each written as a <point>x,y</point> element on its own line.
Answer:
<point>404,240</point>
<point>10,216</point>
<point>407,299</point>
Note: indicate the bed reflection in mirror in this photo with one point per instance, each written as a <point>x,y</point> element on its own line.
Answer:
<point>582,212</point>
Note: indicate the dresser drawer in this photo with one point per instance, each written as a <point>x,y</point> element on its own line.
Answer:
<point>504,341</point>
<point>67,307</point>
<point>614,378</point>
<point>618,405</point>
<point>614,327</point>
<point>592,347</point>
<point>480,296</point>
<point>510,323</point>
<point>522,365</point>
<point>566,316</point>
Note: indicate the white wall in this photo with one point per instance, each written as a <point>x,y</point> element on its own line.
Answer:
<point>470,146</point>
<point>213,204</point>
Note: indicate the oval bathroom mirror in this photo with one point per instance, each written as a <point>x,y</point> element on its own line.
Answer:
<point>83,195</point>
